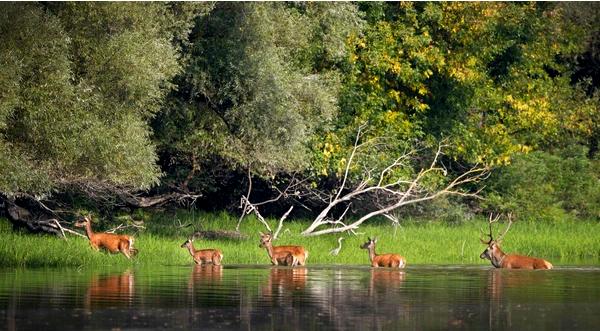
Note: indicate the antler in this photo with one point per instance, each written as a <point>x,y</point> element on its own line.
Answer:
<point>491,220</point>
<point>509,217</point>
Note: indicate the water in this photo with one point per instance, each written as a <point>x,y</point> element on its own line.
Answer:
<point>313,298</point>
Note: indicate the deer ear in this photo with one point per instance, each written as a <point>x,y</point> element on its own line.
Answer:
<point>260,232</point>
<point>375,240</point>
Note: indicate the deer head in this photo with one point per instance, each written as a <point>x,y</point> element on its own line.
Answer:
<point>265,239</point>
<point>493,244</point>
<point>189,241</point>
<point>82,222</point>
<point>370,244</point>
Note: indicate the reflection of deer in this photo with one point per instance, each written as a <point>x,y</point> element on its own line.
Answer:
<point>114,243</point>
<point>509,261</point>
<point>383,260</point>
<point>285,281</point>
<point>385,279</point>
<point>111,290</point>
<point>211,274</point>
<point>283,255</point>
<point>203,256</point>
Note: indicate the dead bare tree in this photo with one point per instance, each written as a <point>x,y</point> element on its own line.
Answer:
<point>396,193</point>
<point>252,207</point>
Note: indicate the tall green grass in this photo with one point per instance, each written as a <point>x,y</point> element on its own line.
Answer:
<point>419,242</point>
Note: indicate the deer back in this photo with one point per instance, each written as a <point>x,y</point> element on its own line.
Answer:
<point>388,260</point>
<point>514,261</point>
<point>298,252</point>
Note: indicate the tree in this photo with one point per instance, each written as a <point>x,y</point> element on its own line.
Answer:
<point>488,76</point>
<point>78,85</point>
<point>260,82</point>
<point>390,188</point>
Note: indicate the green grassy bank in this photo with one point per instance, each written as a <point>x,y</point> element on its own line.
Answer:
<point>420,242</point>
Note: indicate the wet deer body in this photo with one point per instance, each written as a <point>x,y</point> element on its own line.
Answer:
<point>383,260</point>
<point>203,256</point>
<point>114,243</point>
<point>283,255</point>
<point>500,259</point>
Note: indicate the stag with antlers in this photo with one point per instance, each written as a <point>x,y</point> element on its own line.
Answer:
<point>508,261</point>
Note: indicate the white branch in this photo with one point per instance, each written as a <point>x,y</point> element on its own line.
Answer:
<point>403,192</point>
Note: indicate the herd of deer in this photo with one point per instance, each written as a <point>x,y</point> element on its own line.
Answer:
<point>297,255</point>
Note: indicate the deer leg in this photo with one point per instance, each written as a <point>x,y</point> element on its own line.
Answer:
<point>124,248</point>
<point>94,246</point>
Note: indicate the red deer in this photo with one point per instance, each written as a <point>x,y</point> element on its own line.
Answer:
<point>283,255</point>
<point>508,261</point>
<point>203,256</point>
<point>384,260</point>
<point>114,243</point>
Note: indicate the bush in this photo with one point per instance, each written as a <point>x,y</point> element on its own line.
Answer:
<point>547,186</point>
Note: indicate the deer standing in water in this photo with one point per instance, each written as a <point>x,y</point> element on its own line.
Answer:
<point>508,261</point>
<point>383,260</point>
<point>283,255</point>
<point>203,256</point>
<point>114,243</point>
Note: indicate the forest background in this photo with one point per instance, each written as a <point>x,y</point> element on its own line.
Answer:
<point>114,108</point>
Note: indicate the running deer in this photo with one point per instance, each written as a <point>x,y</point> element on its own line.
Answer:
<point>383,260</point>
<point>508,261</point>
<point>283,255</point>
<point>203,256</point>
<point>114,243</point>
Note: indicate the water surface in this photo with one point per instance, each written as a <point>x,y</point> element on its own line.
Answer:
<point>312,298</point>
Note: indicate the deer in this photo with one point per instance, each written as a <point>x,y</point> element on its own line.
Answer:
<point>500,259</point>
<point>114,243</point>
<point>203,256</point>
<point>383,260</point>
<point>283,255</point>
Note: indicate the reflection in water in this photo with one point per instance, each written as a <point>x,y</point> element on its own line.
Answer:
<point>203,275</point>
<point>284,283</point>
<point>113,290</point>
<point>304,298</point>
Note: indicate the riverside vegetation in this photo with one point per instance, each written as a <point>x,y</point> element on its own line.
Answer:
<point>421,242</point>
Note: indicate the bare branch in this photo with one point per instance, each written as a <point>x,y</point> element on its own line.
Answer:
<point>276,234</point>
<point>398,193</point>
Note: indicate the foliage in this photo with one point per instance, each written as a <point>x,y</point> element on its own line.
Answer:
<point>191,96</point>
<point>487,75</point>
<point>260,81</point>
<point>548,186</point>
<point>79,82</point>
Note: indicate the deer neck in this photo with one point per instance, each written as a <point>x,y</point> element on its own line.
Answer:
<point>88,230</point>
<point>269,248</point>
<point>372,254</point>
<point>497,257</point>
<point>191,249</point>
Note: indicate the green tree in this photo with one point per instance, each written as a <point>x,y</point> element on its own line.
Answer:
<point>78,85</point>
<point>260,82</point>
<point>488,75</point>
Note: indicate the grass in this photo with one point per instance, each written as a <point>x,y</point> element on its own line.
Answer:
<point>420,242</point>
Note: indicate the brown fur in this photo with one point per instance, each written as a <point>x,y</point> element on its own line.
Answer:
<point>383,260</point>
<point>512,261</point>
<point>283,255</point>
<point>203,256</point>
<point>114,243</point>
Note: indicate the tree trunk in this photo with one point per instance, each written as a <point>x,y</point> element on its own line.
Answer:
<point>34,221</point>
